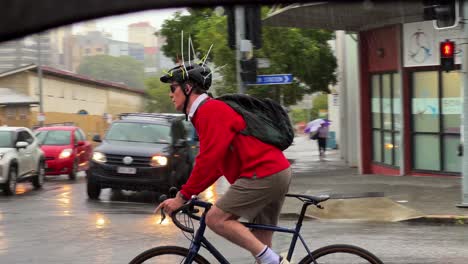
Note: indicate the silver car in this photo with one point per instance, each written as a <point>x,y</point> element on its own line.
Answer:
<point>21,159</point>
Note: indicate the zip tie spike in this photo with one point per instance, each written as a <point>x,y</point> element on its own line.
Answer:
<point>188,48</point>
<point>206,56</point>
<point>182,53</point>
<point>193,50</point>
<point>168,73</point>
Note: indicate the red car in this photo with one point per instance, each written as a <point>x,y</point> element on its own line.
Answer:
<point>65,148</point>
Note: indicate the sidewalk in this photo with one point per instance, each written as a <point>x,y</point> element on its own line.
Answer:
<point>369,197</point>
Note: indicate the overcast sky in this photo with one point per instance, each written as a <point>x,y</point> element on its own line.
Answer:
<point>117,25</point>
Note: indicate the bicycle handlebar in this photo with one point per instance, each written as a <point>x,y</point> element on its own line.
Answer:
<point>188,209</point>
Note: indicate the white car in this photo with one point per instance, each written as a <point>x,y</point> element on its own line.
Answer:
<point>21,159</point>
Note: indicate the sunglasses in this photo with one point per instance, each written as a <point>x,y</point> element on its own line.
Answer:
<point>173,87</point>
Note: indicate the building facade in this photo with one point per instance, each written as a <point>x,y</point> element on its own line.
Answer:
<point>70,97</point>
<point>24,51</point>
<point>143,33</point>
<point>408,114</point>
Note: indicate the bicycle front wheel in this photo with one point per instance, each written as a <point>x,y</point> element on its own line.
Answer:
<point>166,255</point>
<point>341,254</point>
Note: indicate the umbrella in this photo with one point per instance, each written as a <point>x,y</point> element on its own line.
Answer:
<point>316,124</point>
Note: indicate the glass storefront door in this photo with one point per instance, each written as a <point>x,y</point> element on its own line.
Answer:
<point>436,107</point>
<point>386,118</point>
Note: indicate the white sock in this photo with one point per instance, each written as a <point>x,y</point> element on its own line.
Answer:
<point>267,256</point>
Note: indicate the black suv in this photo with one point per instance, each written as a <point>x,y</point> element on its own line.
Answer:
<point>141,151</point>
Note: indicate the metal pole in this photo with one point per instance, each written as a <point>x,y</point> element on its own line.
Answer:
<point>240,35</point>
<point>464,131</point>
<point>39,77</point>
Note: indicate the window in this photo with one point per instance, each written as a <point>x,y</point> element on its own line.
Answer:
<point>6,139</point>
<point>54,137</point>
<point>25,136</point>
<point>10,112</point>
<point>436,115</point>
<point>386,118</point>
<point>139,132</point>
<point>78,136</point>
<point>81,134</point>
<point>23,113</point>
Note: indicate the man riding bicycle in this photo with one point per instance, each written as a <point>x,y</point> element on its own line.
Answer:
<point>259,173</point>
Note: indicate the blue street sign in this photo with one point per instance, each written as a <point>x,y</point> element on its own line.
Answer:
<point>273,79</point>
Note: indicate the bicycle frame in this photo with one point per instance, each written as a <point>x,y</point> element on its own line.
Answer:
<point>200,240</point>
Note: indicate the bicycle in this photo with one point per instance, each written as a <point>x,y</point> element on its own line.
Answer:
<point>332,254</point>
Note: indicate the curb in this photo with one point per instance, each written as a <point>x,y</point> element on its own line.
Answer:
<point>428,219</point>
<point>439,219</point>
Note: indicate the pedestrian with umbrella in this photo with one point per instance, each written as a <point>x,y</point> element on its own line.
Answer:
<point>318,130</point>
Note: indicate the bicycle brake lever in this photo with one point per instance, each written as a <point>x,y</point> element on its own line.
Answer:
<point>163,216</point>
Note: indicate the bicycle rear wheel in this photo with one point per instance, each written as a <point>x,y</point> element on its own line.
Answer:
<point>166,255</point>
<point>341,254</point>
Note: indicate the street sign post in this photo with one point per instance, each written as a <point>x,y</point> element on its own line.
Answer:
<point>263,63</point>
<point>273,79</point>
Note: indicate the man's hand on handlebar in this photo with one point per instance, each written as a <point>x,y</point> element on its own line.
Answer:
<point>170,205</point>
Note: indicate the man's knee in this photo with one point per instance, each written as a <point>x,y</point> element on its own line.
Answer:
<point>216,218</point>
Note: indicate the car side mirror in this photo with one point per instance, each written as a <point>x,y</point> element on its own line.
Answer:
<point>80,143</point>
<point>97,138</point>
<point>180,143</point>
<point>21,144</point>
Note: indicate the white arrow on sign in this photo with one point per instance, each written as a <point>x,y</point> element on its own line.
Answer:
<point>273,79</point>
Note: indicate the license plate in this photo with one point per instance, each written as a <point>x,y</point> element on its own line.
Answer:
<point>126,170</point>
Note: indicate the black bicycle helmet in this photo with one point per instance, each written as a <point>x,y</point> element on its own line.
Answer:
<point>199,73</point>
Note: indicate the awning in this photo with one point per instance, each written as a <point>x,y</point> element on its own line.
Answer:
<point>349,16</point>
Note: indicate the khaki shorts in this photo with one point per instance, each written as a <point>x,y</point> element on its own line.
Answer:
<point>259,200</point>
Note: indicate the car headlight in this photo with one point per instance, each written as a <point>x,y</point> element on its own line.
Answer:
<point>66,153</point>
<point>158,161</point>
<point>99,157</point>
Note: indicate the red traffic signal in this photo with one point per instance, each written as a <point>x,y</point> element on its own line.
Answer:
<point>447,55</point>
<point>447,49</point>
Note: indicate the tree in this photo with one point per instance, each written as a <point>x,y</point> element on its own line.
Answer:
<point>159,100</point>
<point>319,103</point>
<point>123,69</point>
<point>303,52</point>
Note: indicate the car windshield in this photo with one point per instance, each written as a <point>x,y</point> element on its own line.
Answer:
<point>139,132</point>
<point>54,137</point>
<point>6,139</point>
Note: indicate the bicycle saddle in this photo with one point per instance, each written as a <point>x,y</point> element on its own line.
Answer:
<point>310,198</point>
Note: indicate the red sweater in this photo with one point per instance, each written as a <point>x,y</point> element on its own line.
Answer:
<point>224,151</point>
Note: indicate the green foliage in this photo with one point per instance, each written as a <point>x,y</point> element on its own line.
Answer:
<point>299,115</point>
<point>320,103</point>
<point>172,31</point>
<point>303,52</point>
<point>123,69</point>
<point>159,100</point>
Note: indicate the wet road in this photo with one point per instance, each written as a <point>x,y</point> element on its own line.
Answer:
<point>60,225</point>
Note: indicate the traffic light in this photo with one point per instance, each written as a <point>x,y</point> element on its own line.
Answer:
<point>249,70</point>
<point>445,13</point>
<point>447,55</point>
<point>252,22</point>
<point>231,26</point>
<point>253,25</point>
